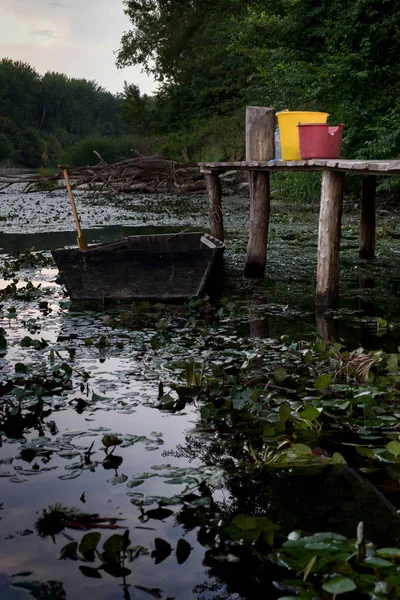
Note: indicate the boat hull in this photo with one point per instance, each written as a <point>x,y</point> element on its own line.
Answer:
<point>145,267</point>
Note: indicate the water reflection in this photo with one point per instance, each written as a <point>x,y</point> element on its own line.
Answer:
<point>258,316</point>
<point>327,325</point>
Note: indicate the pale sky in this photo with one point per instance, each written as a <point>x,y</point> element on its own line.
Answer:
<point>75,37</point>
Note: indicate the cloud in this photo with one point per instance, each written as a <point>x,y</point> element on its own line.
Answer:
<point>75,37</point>
<point>49,33</point>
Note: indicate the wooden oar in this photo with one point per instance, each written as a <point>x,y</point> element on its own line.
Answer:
<point>82,245</point>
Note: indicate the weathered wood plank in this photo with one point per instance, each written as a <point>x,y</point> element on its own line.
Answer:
<point>327,292</point>
<point>367,217</point>
<point>373,167</point>
<point>214,195</point>
<point>260,129</point>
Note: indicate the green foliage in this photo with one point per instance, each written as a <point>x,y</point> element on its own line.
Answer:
<point>213,58</point>
<point>217,138</point>
<point>296,188</point>
<point>33,152</point>
<point>110,149</point>
<point>40,115</point>
<point>7,150</point>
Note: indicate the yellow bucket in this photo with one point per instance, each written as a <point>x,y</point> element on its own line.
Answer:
<point>289,133</point>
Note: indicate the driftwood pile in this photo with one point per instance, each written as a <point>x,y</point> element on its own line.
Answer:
<point>146,174</point>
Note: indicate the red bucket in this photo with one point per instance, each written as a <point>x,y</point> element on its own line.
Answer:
<point>319,140</point>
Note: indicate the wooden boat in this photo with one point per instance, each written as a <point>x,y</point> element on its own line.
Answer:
<point>151,267</point>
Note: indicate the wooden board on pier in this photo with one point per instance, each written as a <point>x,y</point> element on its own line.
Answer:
<point>367,167</point>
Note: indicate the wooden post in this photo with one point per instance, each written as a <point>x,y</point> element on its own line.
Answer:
<point>260,133</point>
<point>367,217</point>
<point>327,292</point>
<point>260,129</point>
<point>214,193</point>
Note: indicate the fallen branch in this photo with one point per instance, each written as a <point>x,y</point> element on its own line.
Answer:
<point>146,174</point>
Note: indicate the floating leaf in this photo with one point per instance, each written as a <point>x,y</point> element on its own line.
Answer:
<point>117,479</point>
<point>280,375</point>
<point>111,440</point>
<point>88,545</point>
<point>90,572</point>
<point>375,561</point>
<point>183,549</point>
<point>393,447</point>
<point>69,551</point>
<point>159,513</point>
<point>389,552</point>
<point>339,585</point>
<point>323,381</point>
<point>338,459</point>
<point>302,449</point>
<point>310,412</point>
<point>114,545</point>
<point>162,551</point>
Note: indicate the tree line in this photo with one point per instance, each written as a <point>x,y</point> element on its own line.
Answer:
<point>42,115</point>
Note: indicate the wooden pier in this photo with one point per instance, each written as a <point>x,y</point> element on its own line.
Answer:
<point>259,163</point>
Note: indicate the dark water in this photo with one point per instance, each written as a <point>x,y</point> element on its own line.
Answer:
<point>43,453</point>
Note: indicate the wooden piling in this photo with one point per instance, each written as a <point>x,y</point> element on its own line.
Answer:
<point>214,193</point>
<point>367,217</point>
<point>260,130</point>
<point>327,292</point>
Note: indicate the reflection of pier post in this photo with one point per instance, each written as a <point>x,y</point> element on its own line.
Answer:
<point>367,217</point>
<point>259,327</point>
<point>327,326</point>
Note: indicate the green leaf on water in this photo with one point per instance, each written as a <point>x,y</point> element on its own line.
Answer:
<point>375,561</point>
<point>302,449</point>
<point>135,483</point>
<point>323,381</point>
<point>280,375</point>
<point>111,440</point>
<point>117,479</point>
<point>338,459</point>
<point>310,412</point>
<point>388,552</point>
<point>113,547</point>
<point>284,412</point>
<point>69,551</point>
<point>339,585</point>
<point>88,545</point>
<point>393,447</point>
